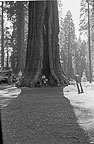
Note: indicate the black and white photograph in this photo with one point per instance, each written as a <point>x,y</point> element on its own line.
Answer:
<point>47,72</point>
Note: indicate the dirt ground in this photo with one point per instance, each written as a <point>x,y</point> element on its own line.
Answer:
<point>41,116</point>
<point>83,105</point>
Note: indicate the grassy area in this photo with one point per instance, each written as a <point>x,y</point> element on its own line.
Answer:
<point>41,116</point>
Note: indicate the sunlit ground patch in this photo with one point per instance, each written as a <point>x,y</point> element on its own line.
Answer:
<point>83,105</point>
<point>7,94</point>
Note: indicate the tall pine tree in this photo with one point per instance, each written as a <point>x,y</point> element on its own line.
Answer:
<point>68,43</point>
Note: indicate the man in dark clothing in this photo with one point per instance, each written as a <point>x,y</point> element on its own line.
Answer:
<point>78,83</point>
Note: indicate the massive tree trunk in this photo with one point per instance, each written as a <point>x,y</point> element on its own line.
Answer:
<point>20,34</point>
<point>42,56</point>
<point>2,38</point>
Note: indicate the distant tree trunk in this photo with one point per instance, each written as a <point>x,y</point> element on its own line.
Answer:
<point>2,42</point>
<point>7,61</point>
<point>20,34</point>
<point>42,56</point>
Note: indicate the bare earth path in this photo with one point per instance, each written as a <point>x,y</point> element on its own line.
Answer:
<point>41,116</point>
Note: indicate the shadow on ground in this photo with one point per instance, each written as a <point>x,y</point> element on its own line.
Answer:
<point>41,116</point>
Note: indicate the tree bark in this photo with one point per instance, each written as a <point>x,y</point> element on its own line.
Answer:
<point>42,56</point>
<point>2,40</point>
<point>20,34</point>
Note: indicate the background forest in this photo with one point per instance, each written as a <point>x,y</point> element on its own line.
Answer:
<point>14,29</point>
<point>73,52</point>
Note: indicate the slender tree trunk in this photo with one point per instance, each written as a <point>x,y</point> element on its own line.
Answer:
<point>42,56</point>
<point>7,62</point>
<point>2,42</point>
<point>68,65</point>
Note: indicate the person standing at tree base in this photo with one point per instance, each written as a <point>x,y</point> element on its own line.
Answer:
<point>78,83</point>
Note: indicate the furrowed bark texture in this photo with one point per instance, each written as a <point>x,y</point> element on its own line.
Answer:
<point>42,56</point>
<point>20,35</point>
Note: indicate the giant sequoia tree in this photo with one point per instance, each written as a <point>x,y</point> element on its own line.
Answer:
<point>15,11</point>
<point>42,56</point>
